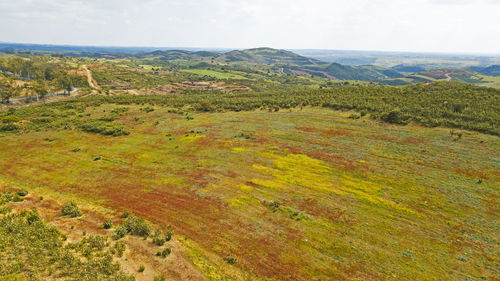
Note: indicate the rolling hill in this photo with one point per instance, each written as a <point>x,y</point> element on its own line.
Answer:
<point>493,70</point>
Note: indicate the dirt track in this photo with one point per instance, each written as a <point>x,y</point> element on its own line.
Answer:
<point>92,83</point>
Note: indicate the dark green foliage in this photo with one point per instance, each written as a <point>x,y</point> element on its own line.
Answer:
<point>160,278</point>
<point>355,116</point>
<point>32,250</point>
<point>133,225</point>
<point>71,209</point>
<point>148,109</point>
<point>137,226</point>
<point>107,224</point>
<point>165,253</point>
<point>120,233</point>
<point>141,268</point>
<point>8,127</point>
<point>434,104</point>
<point>109,118</point>
<point>22,193</point>
<point>230,260</point>
<point>160,238</point>
<point>395,116</point>
<point>9,119</point>
<point>102,128</point>
<point>159,241</point>
<point>120,248</point>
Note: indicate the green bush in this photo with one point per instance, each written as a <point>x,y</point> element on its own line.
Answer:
<point>22,193</point>
<point>165,253</point>
<point>160,238</point>
<point>8,127</point>
<point>160,278</point>
<point>103,129</point>
<point>120,233</point>
<point>9,119</point>
<point>355,116</point>
<point>71,209</point>
<point>137,226</point>
<point>31,248</point>
<point>230,260</point>
<point>120,248</point>
<point>107,224</point>
<point>395,116</point>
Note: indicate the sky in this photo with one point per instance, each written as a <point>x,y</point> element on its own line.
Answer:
<point>445,26</point>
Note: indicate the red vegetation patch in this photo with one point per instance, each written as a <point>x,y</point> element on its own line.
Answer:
<point>411,140</point>
<point>325,133</point>
<point>312,207</point>
<point>337,132</point>
<point>383,137</point>
<point>472,173</point>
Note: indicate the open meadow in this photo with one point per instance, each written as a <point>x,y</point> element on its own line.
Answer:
<point>304,193</point>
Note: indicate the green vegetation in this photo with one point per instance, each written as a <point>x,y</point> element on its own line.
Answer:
<point>107,224</point>
<point>446,104</point>
<point>71,209</point>
<point>215,74</point>
<point>32,250</point>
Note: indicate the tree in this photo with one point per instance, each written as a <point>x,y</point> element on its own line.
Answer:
<point>68,85</point>
<point>41,89</point>
<point>7,91</point>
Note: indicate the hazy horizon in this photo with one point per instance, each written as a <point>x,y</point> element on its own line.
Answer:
<point>421,26</point>
<point>228,49</point>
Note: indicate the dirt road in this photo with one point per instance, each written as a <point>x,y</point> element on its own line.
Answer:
<point>92,83</point>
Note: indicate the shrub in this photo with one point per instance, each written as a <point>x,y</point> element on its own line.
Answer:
<point>230,260</point>
<point>22,193</point>
<point>120,233</point>
<point>107,224</point>
<point>71,209</point>
<point>160,238</point>
<point>141,268</point>
<point>355,116</point>
<point>160,278</point>
<point>103,129</point>
<point>95,241</point>
<point>17,198</point>
<point>395,116</point>
<point>10,119</point>
<point>137,226</point>
<point>165,253</point>
<point>8,127</point>
<point>120,248</point>
<point>5,210</point>
<point>159,241</point>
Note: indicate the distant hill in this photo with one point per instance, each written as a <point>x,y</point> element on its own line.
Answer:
<point>408,68</point>
<point>493,70</point>
<point>268,56</point>
<point>178,55</point>
<point>286,61</point>
<point>346,72</point>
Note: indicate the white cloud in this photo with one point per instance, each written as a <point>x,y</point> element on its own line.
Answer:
<point>418,25</point>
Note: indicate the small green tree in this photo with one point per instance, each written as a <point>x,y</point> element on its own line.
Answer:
<point>41,89</point>
<point>71,209</point>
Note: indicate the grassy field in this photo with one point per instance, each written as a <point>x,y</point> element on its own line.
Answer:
<point>305,194</point>
<point>490,81</point>
<point>215,74</point>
